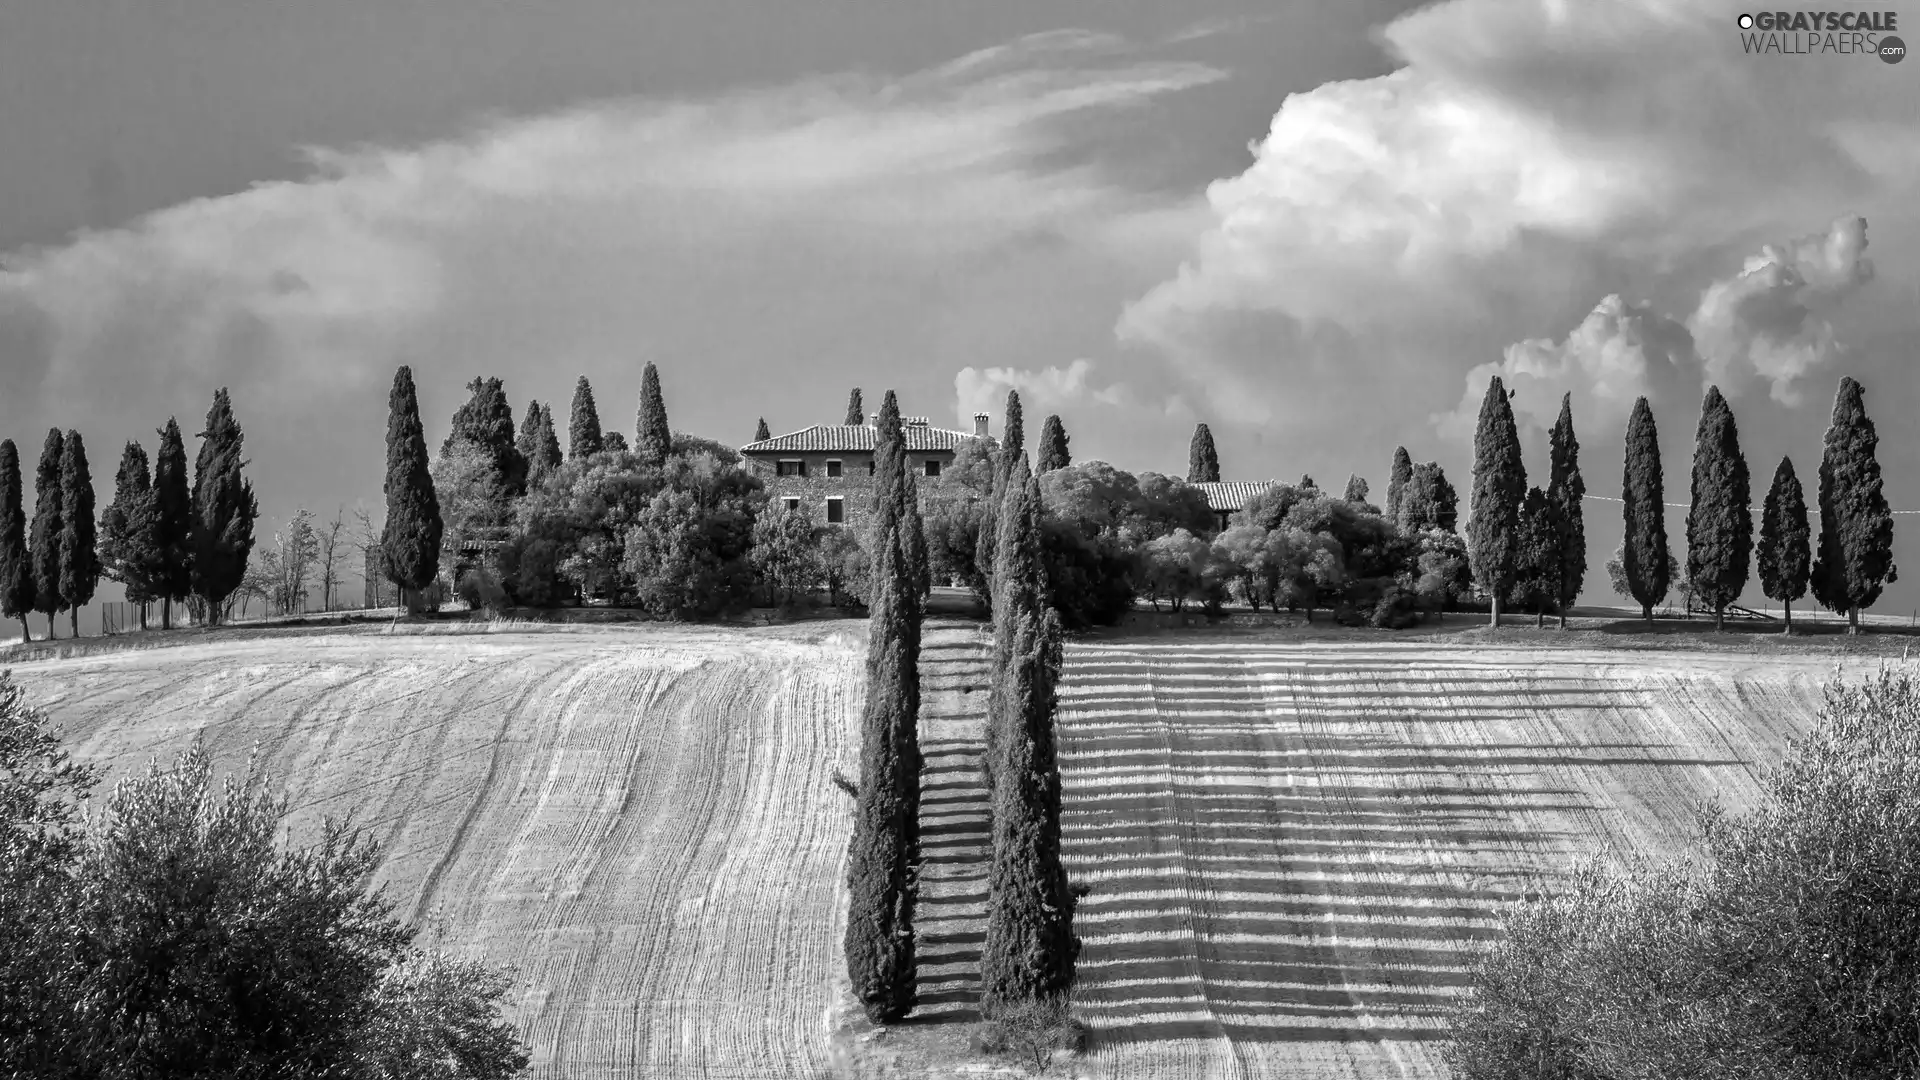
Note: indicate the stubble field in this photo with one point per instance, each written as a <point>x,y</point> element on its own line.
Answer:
<point>1293,847</point>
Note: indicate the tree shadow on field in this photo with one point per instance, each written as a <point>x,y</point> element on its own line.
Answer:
<point>1302,853</point>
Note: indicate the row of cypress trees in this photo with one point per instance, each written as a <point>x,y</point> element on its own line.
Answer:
<point>1515,532</point>
<point>159,538</point>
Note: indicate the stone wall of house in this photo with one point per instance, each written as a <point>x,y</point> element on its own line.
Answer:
<point>854,491</point>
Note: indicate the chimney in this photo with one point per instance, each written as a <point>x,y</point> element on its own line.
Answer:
<point>980,425</point>
<point>914,421</point>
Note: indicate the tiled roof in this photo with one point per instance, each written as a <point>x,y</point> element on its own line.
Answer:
<point>853,439</point>
<point>1231,495</point>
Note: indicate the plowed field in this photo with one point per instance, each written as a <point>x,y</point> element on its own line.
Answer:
<point>640,820</point>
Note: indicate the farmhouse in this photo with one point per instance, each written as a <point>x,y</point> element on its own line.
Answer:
<point>827,469</point>
<point>1227,497</point>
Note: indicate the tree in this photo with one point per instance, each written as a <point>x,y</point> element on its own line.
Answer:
<point>1856,530</point>
<point>48,502</point>
<point>17,588</point>
<point>1397,486</point>
<point>1720,516</point>
<point>784,555</point>
<point>473,504</point>
<point>1644,558</point>
<point>486,421</point>
<point>223,509</point>
<point>614,442</point>
<point>1176,567</point>
<point>1536,556</point>
<point>583,423</point>
<point>883,856</point>
<point>295,548</point>
<point>537,445</point>
<point>919,566</point>
<point>1566,490</point>
<point>171,539</point>
<point>856,413</point>
<point>1783,551</point>
<point>1356,488</point>
<point>1053,446</point>
<point>1030,947</point>
<point>655,438</point>
<point>1013,436</point>
<point>1499,488</point>
<point>1203,462</point>
<point>410,540</point>
<point>79,559</point>
<point>1428,501</point>
<point>760,432</point>
<point>327,551</point>
<point>124,529</point>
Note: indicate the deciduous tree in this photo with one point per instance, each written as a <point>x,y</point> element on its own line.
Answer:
<point>1855,559</point>
<point>1499,489</point>
<point>1784,551</point>
<point>1644,558</point>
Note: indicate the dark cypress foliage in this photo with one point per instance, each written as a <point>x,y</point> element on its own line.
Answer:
<point>1565,491</point>
<point>583,424</point>
<point>614,443</point>
<point>1784,549</point>
<point>223,510</point>
<point>856,412</point>
<point>1397,482</point>
<point>1720,516</point>
<point>1536,556</point>
<point>883,856</point>
<point>170,539</point>
<point>17,589</point>
<point>1855,560</point>
<point>918,568</point>
<point>1053,446</point>
<point>1643,554</point>
<point>486,421</point>
<point>760,433</point>
<point>410,540</point>
<point>1203,462</point>
<point>125,527</point>
<point>1356,488</point>
<point>546,456</point>
<point>655,439</point>
<point>527,442</point>
<point>48,502</point>
<point>1013,440</point>
<point>79,560</point>
<point>1030,947</point>
<point>1429,501</point>
<point>1307,485</point>
<point>1499,489</point>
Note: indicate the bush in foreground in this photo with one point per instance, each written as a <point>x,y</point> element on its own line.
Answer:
<point>1790,947</point>
<point>173,935</point>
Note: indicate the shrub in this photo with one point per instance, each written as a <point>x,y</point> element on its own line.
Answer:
<point>481,590</point>
<point>1789,948</point>
<point>1031,1031</point>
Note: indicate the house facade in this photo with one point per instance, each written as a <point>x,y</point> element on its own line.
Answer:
<point>1227,497</point>
<point>827,469</point>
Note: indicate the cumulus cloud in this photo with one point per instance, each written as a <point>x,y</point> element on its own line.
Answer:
<point>1050,389</point>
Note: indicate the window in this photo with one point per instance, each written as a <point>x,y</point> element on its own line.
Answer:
<point>933,466</point>
<point>790,468</point>
<point>790,502</point>
<point>836,511</point>
<point>833,468</point>
<point>869,466</point>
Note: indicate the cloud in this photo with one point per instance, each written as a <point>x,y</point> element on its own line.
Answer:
<point>1050,389</point>
<point>770,238</point>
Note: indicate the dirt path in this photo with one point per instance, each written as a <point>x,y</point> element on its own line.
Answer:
<point>639,820</point>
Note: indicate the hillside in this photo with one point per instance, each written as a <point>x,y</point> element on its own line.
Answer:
<point>640,820</point>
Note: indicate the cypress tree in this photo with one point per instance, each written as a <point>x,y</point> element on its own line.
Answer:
<point>1565,491</point>
<point>1429,501</point>
<point>169,541</point>
<point>546,455</point>
<point>655,439</point>
<point>486,421</point>
<point>856,412</point>
<point>79,561</point>
<point>1720,516</point>
<point>1030,947</point>
<point>48,502</point>
<point>1536,556</point>
<point>1307,485</point>
<point>1203,462</point>
<point>1784,550</point>
<point>614,442</point>
<point>126,526</point>
<point>916,540</point>
<point>883,855</point>
<point>760,433</point>
<point>1856,529</point>
<point>1013,437</point>
<point>1499,489</point>
<point>223,510</point>
<point>527,443</point>
<point>1053,446</point>
<point>583,424</point>
<point>1397,482</point>
<point>17,589</point>
<point>410,540</point>
<point>1356,488</point>
<point>1643,554</point>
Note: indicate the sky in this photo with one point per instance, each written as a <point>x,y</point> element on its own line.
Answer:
<point>1318,228</point>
